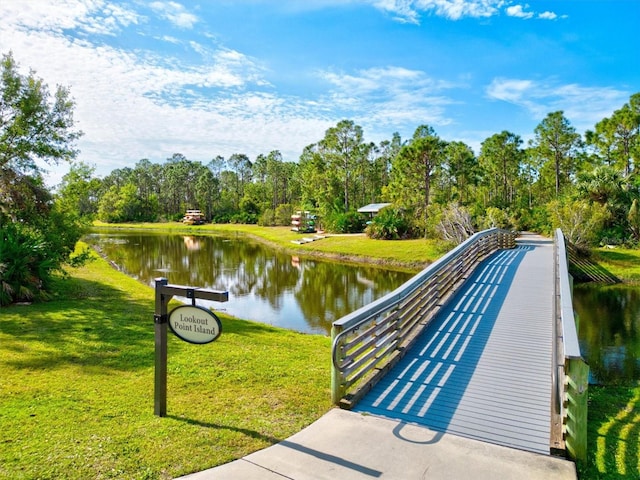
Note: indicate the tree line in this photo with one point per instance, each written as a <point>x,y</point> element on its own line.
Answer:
<point>587,184</point>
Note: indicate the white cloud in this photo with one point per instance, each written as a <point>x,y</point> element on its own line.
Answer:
<point>391,97</point>
<point>176,13</point>
<point>402,10</point>
<point>584,106</point>
<point>410,11</point>
<point>509,90</point>
<point>89,16</point>
<point>548,16</point>
<point>518,11</point>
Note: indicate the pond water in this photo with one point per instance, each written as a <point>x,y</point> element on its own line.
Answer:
<point>264,285</point>
<point>609,331</point>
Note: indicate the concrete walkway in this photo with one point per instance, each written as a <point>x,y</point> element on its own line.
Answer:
<point>344,445</point>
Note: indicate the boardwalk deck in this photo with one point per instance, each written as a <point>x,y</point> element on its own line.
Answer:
<point>482,369</point>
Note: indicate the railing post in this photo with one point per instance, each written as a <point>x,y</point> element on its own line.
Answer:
<point>337,381</point>
<point>577,384</point>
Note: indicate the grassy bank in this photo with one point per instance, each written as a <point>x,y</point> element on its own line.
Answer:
<point>624,263</point>
<point>76,386</point>
<point>408,255</point>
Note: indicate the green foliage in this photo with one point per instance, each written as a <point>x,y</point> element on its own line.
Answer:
<point>461,173</point>
<point>244,217</point>
<point>501,158</point>
<point>556,144</point>
<point>268,218</point>
<point>389,224</point>
<point>124,204</point>
<point>26,264</point>
<point>634,219</point>
<point>34,125</point>
<point>37,235</point>
<point>494,217</point>
<point>580,221</point>
<point>283,214</point>
<point>350,222</point>
<point>30,254</point>
<point>78,192</point>
<point>413,172</point>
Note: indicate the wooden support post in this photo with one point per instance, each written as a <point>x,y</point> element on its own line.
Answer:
<point>160,320</point>
<point>577,389</point>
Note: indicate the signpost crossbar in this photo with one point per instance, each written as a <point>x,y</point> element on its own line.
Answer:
<point>201,293</point>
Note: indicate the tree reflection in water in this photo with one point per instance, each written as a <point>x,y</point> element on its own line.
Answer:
<point>264,285</point>
<point>609,331</point>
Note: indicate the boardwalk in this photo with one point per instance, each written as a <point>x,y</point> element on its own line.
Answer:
<point>482,370</point>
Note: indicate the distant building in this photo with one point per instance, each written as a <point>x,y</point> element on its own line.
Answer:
<point>373,208</point>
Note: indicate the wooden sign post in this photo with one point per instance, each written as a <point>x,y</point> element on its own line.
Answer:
<point>191,324</point>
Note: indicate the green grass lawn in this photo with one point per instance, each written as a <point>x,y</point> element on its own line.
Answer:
<point>613,434</point>
<point>77,376</point>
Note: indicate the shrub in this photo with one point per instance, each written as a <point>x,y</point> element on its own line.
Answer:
<point>244,217</point>
<point>494,217</point>
<point>283,214</point>
<point>26,264</point>
<point>580,221</point>
<point>268,218</point>
<point>455,224</point>
<point>350,222</point>
<point>389,224</point>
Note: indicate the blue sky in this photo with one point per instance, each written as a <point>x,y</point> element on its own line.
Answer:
<point>208,78</point>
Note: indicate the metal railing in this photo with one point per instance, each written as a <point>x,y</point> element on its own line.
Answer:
<point>571,372</point>
<point>369,341</point>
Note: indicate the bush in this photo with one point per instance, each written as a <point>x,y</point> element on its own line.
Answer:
<point>26,264</point>
<point>221,217</point>
<point>494,217</point>
<point>455,224</point>
<point>580,221</point>
<point>535,219</point>
<point>267,219</point>
<point>389,224</point>
<point>350,222</point>
<point>283,214</point>
<point>244,217</point>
